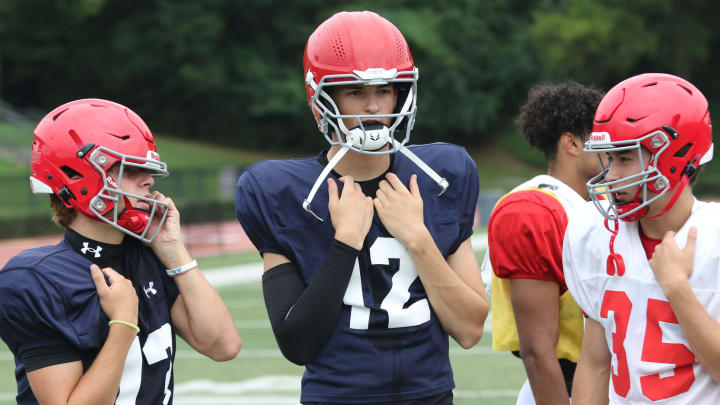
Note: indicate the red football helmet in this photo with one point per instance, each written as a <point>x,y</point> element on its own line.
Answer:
<point>667,116</point>
<point>360,48</point>
<point>75,147</point>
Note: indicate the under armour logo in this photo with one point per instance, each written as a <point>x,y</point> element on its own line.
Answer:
<point>150,289</point>
<point>86,249</point>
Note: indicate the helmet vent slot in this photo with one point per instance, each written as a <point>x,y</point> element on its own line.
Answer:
<point>56,116</point>
<point>71,173</point>
<point>685,88</point>
<point>650,84</point>
<point>123,137</point>
<point>683,151</point>
<point>635,119</point>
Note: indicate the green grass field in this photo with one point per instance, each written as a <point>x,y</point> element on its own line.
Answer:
<point>260,375</point>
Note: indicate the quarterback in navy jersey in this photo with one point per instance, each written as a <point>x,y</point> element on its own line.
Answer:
<point>367,269</point>
<point>93,319</point>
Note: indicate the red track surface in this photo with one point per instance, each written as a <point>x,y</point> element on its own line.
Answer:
<point>201,240</point>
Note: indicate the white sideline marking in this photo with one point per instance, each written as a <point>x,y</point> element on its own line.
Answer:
<point>275,353</point>
<point>252,272</point>
<point>191,392</point>
<point>8,396</point>
<point>231,275</point>
<point>455,351</point>
<point>183,398</point>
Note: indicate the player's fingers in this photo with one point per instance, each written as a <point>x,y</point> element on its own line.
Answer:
<point>395,182</point>
<point>112,275</point>
<point>98,278</point>
<point>348,184</point>
<point>156,195</point>
<point>332,191</point>
<point>377,203</point>
<point>381,195</point>
<point>414,188</point>
<point>358,188</point>
<point>691,239</point>
<point>385,186</point>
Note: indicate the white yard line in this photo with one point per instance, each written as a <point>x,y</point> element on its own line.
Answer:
<point>252,272</point>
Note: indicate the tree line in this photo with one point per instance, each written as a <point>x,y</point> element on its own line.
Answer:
<point>231,70</point>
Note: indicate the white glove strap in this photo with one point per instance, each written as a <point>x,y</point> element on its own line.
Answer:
<point>182,269</point>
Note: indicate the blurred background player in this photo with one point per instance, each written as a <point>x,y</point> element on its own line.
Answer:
<point>533,315</point>
<point>93,319</point>
<point>367,272</point>
<point>652,306</point>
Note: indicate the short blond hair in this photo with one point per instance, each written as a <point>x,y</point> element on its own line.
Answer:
<point>62,215</point>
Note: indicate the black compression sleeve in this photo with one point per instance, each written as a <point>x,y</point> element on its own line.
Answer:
<point>303,317</point>
<point>44,356</point>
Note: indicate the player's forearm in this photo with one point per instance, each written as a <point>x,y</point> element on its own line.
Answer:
<point>461,310</point>
<point>700,329</point>
<point>210,324</point>
<point>101,382</point>
<point>590,385</point>
<point>302,317</point>
<point>546,377</point>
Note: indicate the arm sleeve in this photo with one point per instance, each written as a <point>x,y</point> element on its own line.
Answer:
<point>525,236</point>
<point>254,214</point>
<point>39,357</point>
<point>303,317</point>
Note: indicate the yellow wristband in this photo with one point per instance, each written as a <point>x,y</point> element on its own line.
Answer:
<point>126,323</point>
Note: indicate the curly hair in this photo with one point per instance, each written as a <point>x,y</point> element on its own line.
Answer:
<point>555,108</point>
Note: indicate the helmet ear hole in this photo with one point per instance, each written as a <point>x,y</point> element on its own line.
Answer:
<point>71,173</point>
<point>683,151</point>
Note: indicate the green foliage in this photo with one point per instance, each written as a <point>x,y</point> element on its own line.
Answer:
<point>229,71</point>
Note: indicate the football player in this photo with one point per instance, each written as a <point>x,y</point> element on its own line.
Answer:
<point>367,268</point>
<point>642,259</point>
<point>93,319</point>
<point>534,316</point>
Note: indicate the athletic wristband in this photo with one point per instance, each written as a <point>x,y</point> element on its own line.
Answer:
<point>182,269</point>
<point>126,323</point>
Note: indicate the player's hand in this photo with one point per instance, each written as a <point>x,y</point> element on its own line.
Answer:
<point>670,264</point>
<point>351,213</point>
<point>167,244</point>
<point>400,209</point>
<point>118,298</point>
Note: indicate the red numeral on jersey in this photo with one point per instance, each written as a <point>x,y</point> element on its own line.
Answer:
<point>619,303</point>
<point>654,349</point>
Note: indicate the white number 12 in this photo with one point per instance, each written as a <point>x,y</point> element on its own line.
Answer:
<point>381,251</point>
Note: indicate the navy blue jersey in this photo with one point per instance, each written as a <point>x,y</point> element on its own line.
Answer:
<point>388,344</point>
<point>49,299</point>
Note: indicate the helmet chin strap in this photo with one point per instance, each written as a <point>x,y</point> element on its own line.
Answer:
<point>331,164</point>
<point>441,181</point>
<point>615,262</point>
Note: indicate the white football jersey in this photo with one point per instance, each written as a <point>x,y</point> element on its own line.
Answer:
<point>651,358</point>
